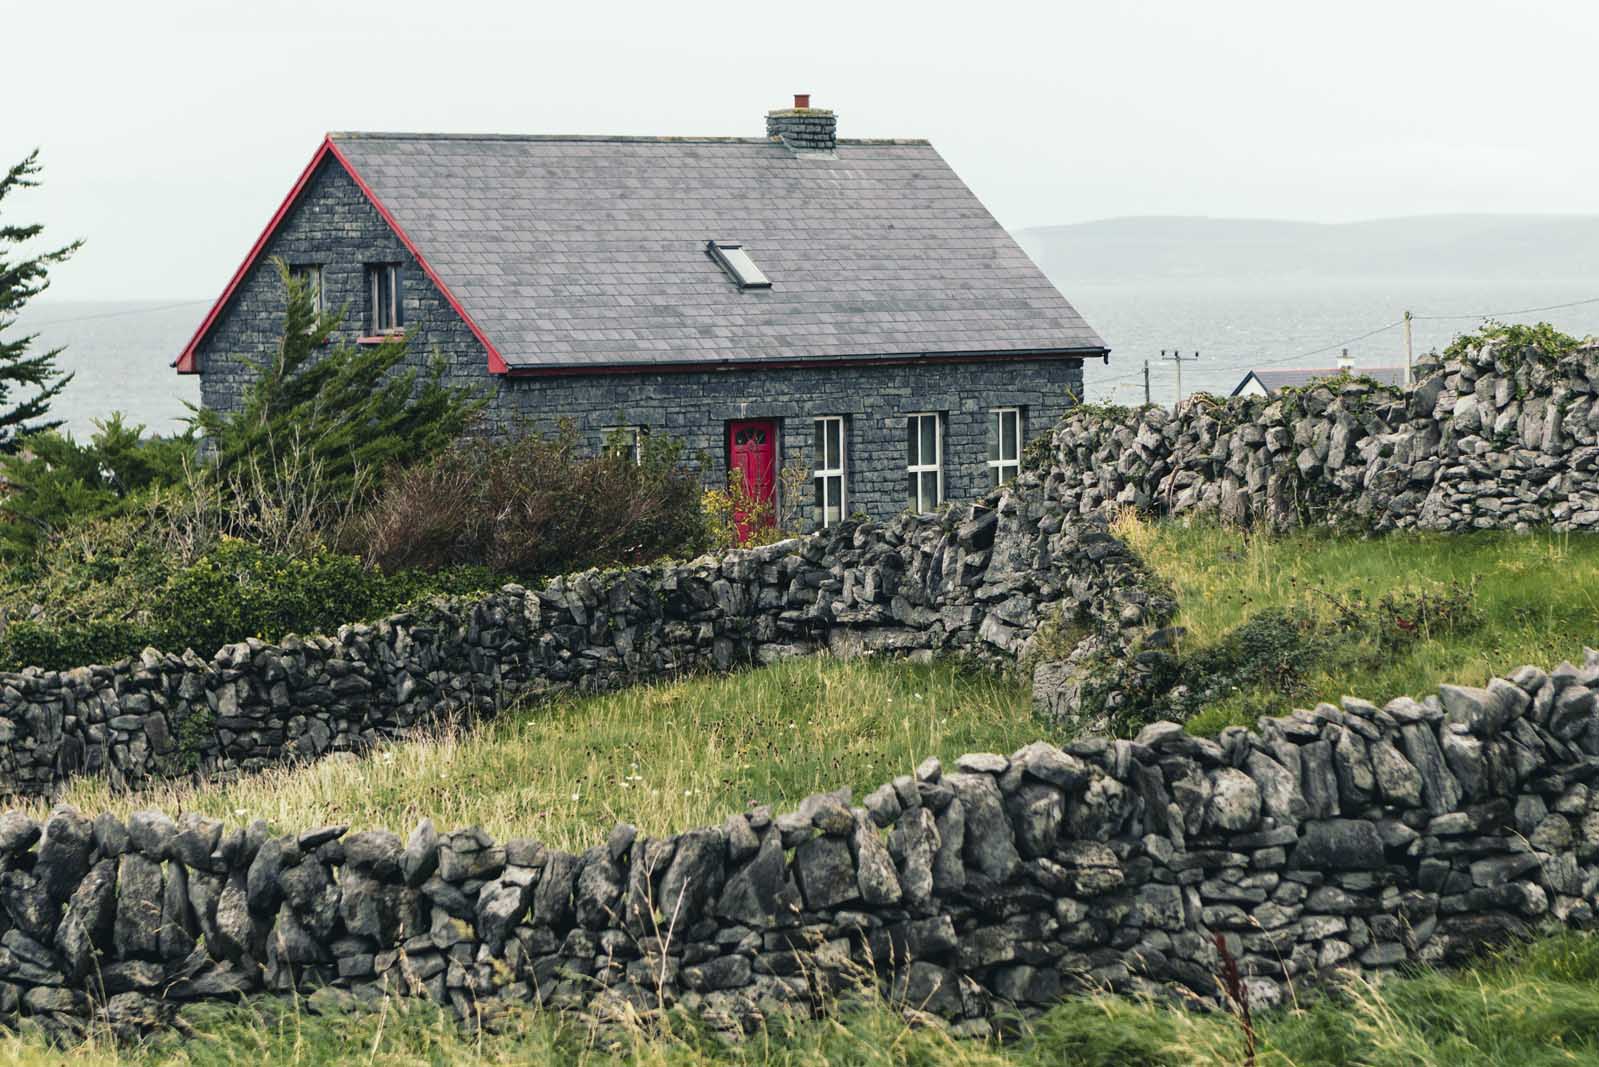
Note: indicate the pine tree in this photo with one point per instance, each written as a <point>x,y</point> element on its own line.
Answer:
<point>20,282</point>
<point>348,412</point>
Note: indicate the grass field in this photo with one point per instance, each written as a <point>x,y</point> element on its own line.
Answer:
<point>665,757</point>
<point>1535,599</point>
<point>675,755</point>
<point>1536,1008</point>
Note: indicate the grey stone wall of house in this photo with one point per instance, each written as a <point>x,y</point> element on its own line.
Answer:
<point>335,227</point>
<point>1498,438</point>
<point>694,408</point>
<point>1352,837</point>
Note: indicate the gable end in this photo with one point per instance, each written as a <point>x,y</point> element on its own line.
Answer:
<point>187,362</point>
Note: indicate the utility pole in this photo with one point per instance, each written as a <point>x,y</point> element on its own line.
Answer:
<point>1147,401</point>
<point>1409,359</point>
<point>1178,358</point>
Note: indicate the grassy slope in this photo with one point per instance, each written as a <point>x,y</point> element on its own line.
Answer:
<point>1538,595</point>
<point>676,755</point>
<point>1537,1008</point>
<point>666,757</point>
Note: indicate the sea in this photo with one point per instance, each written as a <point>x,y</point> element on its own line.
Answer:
<point>120,353</point>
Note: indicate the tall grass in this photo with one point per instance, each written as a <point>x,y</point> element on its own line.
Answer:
<point>666,757</point>
<point>1536,1006</point>
<point>1537,595</point>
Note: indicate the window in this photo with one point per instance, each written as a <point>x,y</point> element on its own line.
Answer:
<point>626,441</point>
<point>828,461</point>
<point>924,468</point>
<point>385,309</point>
<point>310,276</point>
<point>731,257</point>
<point>1004,443</point>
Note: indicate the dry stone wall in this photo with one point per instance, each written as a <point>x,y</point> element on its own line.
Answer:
<point>977,581</point>
<point>1500,438</point>
<point>1338,837</point>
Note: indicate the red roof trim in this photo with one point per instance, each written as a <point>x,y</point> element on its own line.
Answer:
<point>496,363</point>
<point>185,363</point>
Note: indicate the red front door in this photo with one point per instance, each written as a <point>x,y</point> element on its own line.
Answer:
<point>752,453</point>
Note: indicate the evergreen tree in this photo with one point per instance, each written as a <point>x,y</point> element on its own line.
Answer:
<point>21,281</point>
<point>345,412</point>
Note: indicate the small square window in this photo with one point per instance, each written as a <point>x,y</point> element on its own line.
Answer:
<point>385,305</point>
<point>626,441</point>
<point>1004,444</point>
<point>731,257</point>
<point>310,276</point>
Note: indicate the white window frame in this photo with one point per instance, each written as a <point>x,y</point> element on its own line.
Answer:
<point>820,470</point>
<point>396,323</point>
<point>998,468</point>
<point>921,466</point>
<point>637,434</point>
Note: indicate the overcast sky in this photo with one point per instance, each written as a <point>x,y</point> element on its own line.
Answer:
<point>170,129</point>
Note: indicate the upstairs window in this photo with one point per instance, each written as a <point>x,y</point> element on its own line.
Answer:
<point>310,276</point>
<point>828,461</point>
<point>924,467</point>
<point>385,308</point>
<point>732,258</point>
<point>1004,444</point>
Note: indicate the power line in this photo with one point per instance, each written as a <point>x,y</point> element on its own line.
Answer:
<point>114,314</point>
<point>1522,311</point>
<point>1383,328</point>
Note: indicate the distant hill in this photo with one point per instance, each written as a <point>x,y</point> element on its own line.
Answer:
<point>1524,247</point>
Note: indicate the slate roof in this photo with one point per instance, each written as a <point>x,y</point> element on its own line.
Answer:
<point>574,252</point>
<point>1294,377</point>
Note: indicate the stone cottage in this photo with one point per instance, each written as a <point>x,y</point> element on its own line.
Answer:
<point>847,307</point>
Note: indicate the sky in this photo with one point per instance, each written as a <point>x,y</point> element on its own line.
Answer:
<point>171,129</point>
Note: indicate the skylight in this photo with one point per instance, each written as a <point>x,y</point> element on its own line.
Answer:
<point>730,255</point>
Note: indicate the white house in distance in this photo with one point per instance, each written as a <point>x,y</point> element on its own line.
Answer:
<point>1267,382</point>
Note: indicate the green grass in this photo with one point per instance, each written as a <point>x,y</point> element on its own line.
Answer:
<point>666,757</point>
<point>1536,597</point>
<point>1537,1006</point>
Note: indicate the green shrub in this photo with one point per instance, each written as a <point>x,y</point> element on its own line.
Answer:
<point>54,482</point>
<point>236,591</point>
<point>58,647</point>
<point>347,412</point>
<point>532,506</point>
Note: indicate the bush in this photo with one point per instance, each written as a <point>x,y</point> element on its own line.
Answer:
<point>53,482</point>
<point>346,412</point>
<point>236,591</point>
<point>532,506</point>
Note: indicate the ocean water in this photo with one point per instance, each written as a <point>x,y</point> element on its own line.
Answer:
<point>121,352</point>
<point>120,355</point>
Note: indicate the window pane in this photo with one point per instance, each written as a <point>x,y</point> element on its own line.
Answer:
<point>929,490</point>
<point>1008,443</point>
<point>913,503</point>
<point>821,501</point>
<point>929,438</point>
<point>835,444</point>
<point>818,446</point>
<point>993,435</point>
<point>910,441</point>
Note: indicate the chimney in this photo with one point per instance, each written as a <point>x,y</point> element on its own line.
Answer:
<point>803,128</point>
<point>1345,364</point>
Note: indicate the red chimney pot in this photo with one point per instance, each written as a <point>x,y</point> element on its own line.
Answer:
<point>802,101</point>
